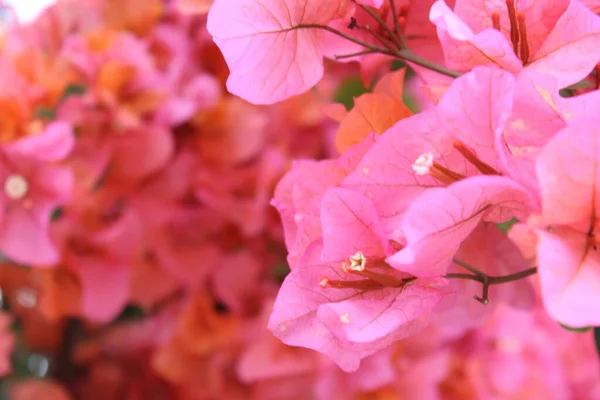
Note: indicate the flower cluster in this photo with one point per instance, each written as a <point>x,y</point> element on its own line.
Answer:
<point>402,229</point>
<point>187,214</point>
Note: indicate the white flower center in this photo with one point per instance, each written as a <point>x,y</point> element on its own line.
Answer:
<point>358,261</point>
<point>423,164</point>
<point>26,297</point>
<point>16,187</point>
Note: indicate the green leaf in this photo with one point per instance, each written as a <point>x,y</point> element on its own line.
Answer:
<point>348,90</point>
<point>130,312</point>
<point>505,226</point>
<point>597,338</point>
<point>570,328</point>
<point>397,64</point>
<point>73,89</point>
<point>280,271</point>
<point>56,213</point>
<point>45,113</point>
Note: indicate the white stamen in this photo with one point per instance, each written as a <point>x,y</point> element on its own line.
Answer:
<point>26,297</point>
<point>345,318</point>
<point>423,164</point>
<point>16,187</point>
<point>358,261</point>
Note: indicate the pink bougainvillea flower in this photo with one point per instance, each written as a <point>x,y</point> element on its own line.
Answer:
<point>442,218</point>
<point>538,113</point>
<point>100,245</point>
<point>271,47</point>
<point>560,38</point>
<point>177,244</point>
<point>139,153</point>
<point>33,189</point>
<point>514,339</point>
<point>513,120</point>
<point>411,368</point>
<point>201,93</point>
<point>476,107</point>
<point>568,260</point>
<point>119,72</point>
<point>345,316</point>
<point>375,373</point>
<point>242,195</point>
<point>240,289</point>
<point>298,196</point>
<point>354,301</point>
<point>416,154</point>
<point>489,250</point>
<point>265,358</point>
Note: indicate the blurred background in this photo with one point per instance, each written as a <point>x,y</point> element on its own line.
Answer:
<point>140,255</point>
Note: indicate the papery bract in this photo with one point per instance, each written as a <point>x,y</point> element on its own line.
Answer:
<point>273,49</point>
<point>350,224</point>
<point>476,107</point>
<point>345,324</point>
<point>489,250</point>
<point>298,196</point>
<point>33,188</point>
<point>567,256</point>
<point>442,218</point>
<point>561,37</point>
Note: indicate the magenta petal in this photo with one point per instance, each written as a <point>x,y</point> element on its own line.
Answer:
<point>270,58</point>
<point>295,318</point>
<point>54,182</point>
<point>476,107</point>
<point>465,49</point>
<point>570,278</point>
<point>572,48</point>
<point>569,175</point>
<point>440,219</point>
<point>52,144</point>
<point>375,315</point>
<point>25,237</point>
<point>385,174</point>
<point>105,288</point>
<point>141,153</point>
<point>350,224</point>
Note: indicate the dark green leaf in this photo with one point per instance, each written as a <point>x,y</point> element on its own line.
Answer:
<point>505,226</point>
<point>45,113</point>
<point>56,213</point>
<point>348,90</point>
<point>73,90</point>
<point>280,271</point>
<point>570,328</point>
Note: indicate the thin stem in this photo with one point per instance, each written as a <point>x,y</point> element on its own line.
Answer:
<point>379,38</point>
<point>381,23</point>
<point>468,267</point>
<point>399,33</point>
<point>410,56</point>
<point>462,276</point>
<point>358,53</point>
<point>405,54</point>
<point>375,49</point>
<point>486,279</point>
<point>495,280</point>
